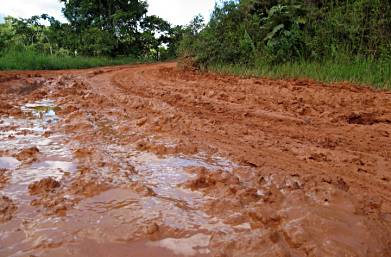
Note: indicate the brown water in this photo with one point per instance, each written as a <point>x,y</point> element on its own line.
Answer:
<point>112,218</point>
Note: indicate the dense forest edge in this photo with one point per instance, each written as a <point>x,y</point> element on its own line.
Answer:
<point>97,33</point>
<point>327,40</point>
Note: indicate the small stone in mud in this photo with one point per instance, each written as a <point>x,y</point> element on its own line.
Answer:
<point>7,209</point>
<point>28,155</point>
<point>151,228</point>
<point>45,185</point>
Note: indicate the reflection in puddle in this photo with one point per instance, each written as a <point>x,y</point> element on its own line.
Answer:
<point>17,134</point>
<point>191,246</point>
<point>44,109</point>
<point>55,165</point>
<point>165,174</point>
<point>8,163</point>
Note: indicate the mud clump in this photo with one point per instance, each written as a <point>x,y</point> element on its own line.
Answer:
<point>7,109</point>
<point>151,228</point>
<point>88,188</point>
<point>28,155</point>
<point>208,180</point>
<point>161,150</point>
<point>283,212</point>
<point>56,205</point>
<point>4,177</point>
<point>188,63</point>
<point>7,209</point>
<point>43,186</point>
<point>361,118</point>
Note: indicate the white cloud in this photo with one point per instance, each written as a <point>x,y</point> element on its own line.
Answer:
<point>178,12</point>
<point>28,8</point>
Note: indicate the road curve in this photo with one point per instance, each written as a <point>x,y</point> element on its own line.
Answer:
<point>167,162</point>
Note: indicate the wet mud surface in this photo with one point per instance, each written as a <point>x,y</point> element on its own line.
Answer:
<point>148,160</point>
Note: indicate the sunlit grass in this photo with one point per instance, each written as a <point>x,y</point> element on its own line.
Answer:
<point>359,71</point>
<point>30,60</point>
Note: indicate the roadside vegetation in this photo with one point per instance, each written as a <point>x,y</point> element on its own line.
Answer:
<point>328,40</point>
<point>33,60</point>
<point>97,33</point>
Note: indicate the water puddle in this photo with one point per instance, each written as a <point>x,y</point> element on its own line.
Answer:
<point>8,163</point>
<point>20,133</point>
<point>165,174</point>
<point>191,246</point>
<point>44,109</point>
<point>145,190</point>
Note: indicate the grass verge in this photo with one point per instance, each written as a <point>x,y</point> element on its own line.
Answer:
<point>361,71</point>
<point>30,60</point>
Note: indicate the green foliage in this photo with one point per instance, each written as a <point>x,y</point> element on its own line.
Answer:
<point>25,59</point>
<point>283,34</point>
<point>115,27</point>
<point>359,71</point>
<point>108,28</point>
<point>282,31</point>
<point>225,38</point>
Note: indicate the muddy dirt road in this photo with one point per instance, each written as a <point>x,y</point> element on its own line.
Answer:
<point>148,160</point>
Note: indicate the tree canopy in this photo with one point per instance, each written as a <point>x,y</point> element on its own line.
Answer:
<point>94,28</point>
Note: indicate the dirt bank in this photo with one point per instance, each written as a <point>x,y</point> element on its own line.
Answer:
<point>154,161</point>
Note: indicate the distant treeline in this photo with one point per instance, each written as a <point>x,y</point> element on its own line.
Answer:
<point>245,32</point>
<point>112,28</point>
<point>282,31</point>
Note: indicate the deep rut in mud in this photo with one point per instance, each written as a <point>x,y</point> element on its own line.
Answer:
<point>148,160</point>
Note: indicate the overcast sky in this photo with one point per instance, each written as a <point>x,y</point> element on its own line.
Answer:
<point>178,12</point>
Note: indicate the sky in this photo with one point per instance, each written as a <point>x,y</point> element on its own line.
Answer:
<point>177,12</point>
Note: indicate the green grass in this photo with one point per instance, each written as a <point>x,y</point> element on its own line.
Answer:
<point>361,71</point>
<point>30,60</point>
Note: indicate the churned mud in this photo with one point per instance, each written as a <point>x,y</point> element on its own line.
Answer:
<point>149,160</point>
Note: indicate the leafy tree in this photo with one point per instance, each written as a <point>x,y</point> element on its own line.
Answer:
<point>121,27</point>
<point>288,30</point>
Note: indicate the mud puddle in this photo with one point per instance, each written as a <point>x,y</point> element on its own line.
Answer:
<point>29,150</point>
<point>119,172</point>
<point>141,208</point>
<point>29,153</point>
<point>146,205</point>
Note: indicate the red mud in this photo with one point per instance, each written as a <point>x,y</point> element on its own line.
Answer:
<point>43,186</point>
<point>309,171</point>
<point>7,209</point>
<point>27,155</point>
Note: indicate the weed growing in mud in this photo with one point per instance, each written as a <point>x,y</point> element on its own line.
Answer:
<point>360,71</point>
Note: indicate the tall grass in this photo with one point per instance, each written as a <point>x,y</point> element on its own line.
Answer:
<point>360,71</point>
<point>31,60</point>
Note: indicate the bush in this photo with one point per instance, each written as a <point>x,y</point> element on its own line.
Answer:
<point>280,31</point>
